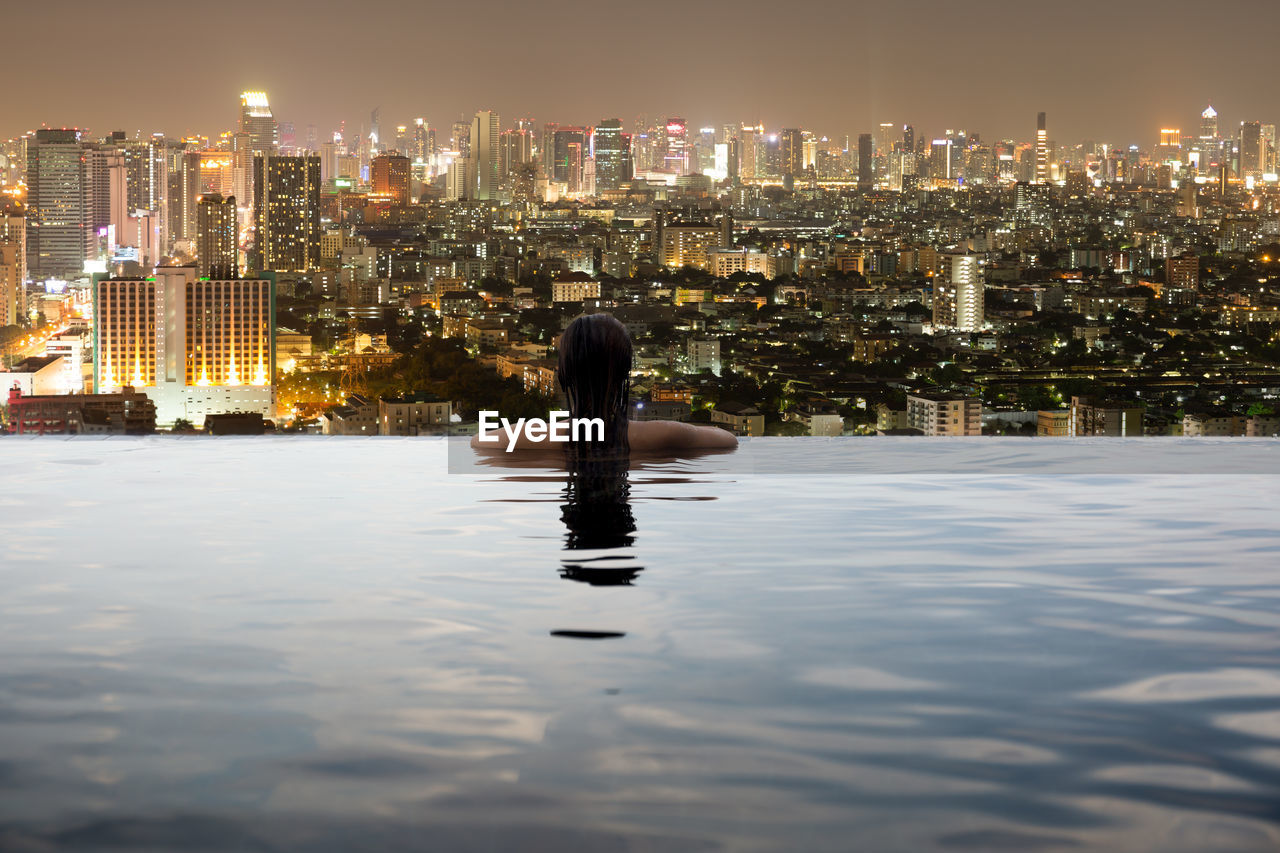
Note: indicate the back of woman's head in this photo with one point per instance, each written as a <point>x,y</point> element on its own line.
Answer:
<point>594,372</point>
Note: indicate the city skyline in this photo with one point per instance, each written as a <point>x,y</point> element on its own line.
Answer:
<point>715,63</point>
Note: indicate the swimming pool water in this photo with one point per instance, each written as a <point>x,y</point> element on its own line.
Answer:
<point>319,644</point>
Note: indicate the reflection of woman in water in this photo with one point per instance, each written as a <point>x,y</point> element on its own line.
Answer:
<point>594,371</point>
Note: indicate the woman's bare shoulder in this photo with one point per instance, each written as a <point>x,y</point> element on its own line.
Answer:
<point>666,435</point>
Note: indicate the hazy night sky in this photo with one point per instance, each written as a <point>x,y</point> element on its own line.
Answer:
<point>1109,71</point>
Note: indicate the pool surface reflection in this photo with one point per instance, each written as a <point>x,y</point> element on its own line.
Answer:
<point>344,645</point>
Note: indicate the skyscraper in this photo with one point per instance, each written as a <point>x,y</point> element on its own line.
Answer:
<point>59,238</point>
<point>217,247</point>
<point>1209,123</point>
<point>609,144</point>
<point>676,152</point>
<point>570,145</point>
<point>196,347</point>
<point>791,140</point>
<point>286,213</point>
<point>484,170</point>
<point>420,150</point>
<point>515,148</point>
<point>1042,150</point>
<point>257,121</point>
<point>866,161</point>
<point>1252,163</point>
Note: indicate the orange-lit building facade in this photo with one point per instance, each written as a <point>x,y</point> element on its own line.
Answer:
<point>195,346</point>
<point>389,174</point>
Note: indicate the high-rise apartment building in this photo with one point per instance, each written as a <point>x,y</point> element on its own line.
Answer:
<point>194,346</point>
<point>1182,272</point>
<point>257,121</point>
<point>59,237</point>
<point>286,213</point>
<point>959,293</point>
<point>485,171</point>
<point>217,244</point>
<point>389,175</point>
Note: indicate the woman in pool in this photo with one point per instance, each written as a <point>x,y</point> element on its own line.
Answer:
<point>594,371</point>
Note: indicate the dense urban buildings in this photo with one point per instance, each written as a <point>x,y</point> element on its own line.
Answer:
<point>896,278</point>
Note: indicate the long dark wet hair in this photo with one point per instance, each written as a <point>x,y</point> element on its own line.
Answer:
<point>594,373</point>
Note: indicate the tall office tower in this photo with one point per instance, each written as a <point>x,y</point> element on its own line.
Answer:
<point>959,293</point>
<point>1042,150</point>
<point>1209,123</point>
<point>866,161</point>
<point>484,169</point>
<point>885,136</point>
<point>568,146</point>
<point>772,165</point>
<point>941,160</point>
<point>1170,137</point>
<point>546,153</point>
<point>58,235</point>
<point>196,347</point>
<point>675,156</point>
<point>733,154</point>
<point>908,139</point>
<point>609,144</point>
<point>810,150</point>
<point>460,138</point>
<point>389,175</point>
<point>419,153</point>
<point>313,143</point>
<point>1268,148</point>
<point>515,149</point>
<point>1252,163</point>
<point>257,121</point>
<point>402,139</point>
<point>286,213</point>
<point>791,141</point>
<point>217,243</point>
<point>750,151</point>
<point>13,265</point>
